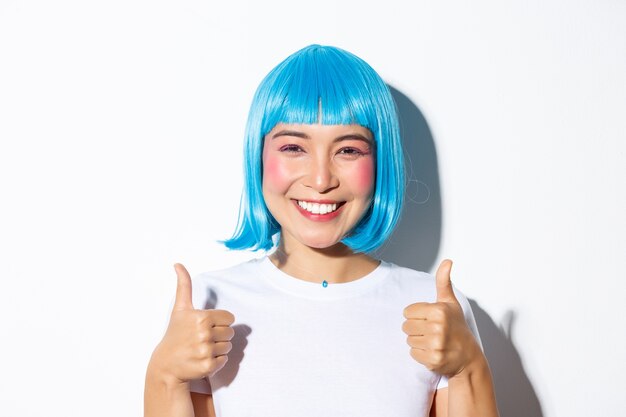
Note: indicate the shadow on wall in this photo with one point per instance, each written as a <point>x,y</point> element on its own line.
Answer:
<point>415,244</point>
<point>515,395</point>
<point>416,239</point>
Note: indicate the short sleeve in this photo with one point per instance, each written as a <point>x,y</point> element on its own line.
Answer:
<point>200,385</point>
<point>471,323</point>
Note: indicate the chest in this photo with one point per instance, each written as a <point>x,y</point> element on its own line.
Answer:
<point>317,357</point>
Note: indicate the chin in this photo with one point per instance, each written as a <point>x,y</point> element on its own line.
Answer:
<point>321,243</point>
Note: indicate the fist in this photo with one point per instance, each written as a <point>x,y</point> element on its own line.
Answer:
<point>196,342</point>
<point>437,332</point>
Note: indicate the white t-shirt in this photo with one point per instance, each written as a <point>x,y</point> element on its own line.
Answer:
<point>301,349</point>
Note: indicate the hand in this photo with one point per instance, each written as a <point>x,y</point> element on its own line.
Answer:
<point>437,332</point>
<point>196,342</point>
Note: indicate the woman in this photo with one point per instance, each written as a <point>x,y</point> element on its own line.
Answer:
<point>322,326</point>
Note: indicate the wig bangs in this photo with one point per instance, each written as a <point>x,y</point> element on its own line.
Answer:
<point>320,85</point>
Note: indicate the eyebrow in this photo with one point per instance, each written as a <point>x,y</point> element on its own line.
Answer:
<point>298,134</point>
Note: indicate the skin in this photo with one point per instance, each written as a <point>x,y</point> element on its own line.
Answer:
<point>311,163</point>
<point>330,164</point>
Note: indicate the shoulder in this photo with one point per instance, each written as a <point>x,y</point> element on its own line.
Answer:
<point>409,283</point>
<point>409,276</point>
<point>209,285</point>
<point>424,282</point>
<point>239,270</point>
<point>404,273</point>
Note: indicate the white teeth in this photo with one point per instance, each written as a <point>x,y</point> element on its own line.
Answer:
<point>317,208</point>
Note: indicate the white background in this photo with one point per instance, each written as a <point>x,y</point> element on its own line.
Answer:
<point>121,124</point>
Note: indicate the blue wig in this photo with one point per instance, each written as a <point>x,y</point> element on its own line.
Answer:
<point>350,92</point>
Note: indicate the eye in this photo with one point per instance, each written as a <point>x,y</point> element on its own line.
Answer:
<point>352,152</point>
<point>291,148</point>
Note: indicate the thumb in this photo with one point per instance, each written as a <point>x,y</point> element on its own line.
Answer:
<point>445,293</point>
<point>183,289</point>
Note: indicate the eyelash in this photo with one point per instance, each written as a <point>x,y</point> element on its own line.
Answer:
<point>351,151</point>
<point>291,148</point>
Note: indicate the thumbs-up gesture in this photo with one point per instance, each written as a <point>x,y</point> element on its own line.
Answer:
<point>196,342</point>
<point>437,332</point>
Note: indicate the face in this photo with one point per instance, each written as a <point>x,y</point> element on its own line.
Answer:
<point>318,180</point>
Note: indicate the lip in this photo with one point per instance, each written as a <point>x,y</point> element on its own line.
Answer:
<point>320,217</point>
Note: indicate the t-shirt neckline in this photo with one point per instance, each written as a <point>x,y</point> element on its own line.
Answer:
<point>295,286</point>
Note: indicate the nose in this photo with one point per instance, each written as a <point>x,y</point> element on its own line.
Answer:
<point>322,177</point>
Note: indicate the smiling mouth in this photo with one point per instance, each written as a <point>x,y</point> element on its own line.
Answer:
<point>319,208</point>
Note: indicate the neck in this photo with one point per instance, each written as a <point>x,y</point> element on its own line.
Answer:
<point>336,264</point>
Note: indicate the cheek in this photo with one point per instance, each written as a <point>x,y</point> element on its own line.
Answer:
<point>276,175</point>
<point>363,177</point>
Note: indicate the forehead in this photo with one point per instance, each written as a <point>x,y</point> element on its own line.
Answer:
<point>319,130</point>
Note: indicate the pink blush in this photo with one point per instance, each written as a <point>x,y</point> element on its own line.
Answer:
<point>362,176</point>
<point>276,176</point>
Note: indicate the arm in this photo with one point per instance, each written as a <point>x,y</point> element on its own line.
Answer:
<point>469,393</point>
<point>163,397</point>
<point>166,396</point>
<point>439,407</point>
<point>203,405</point>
